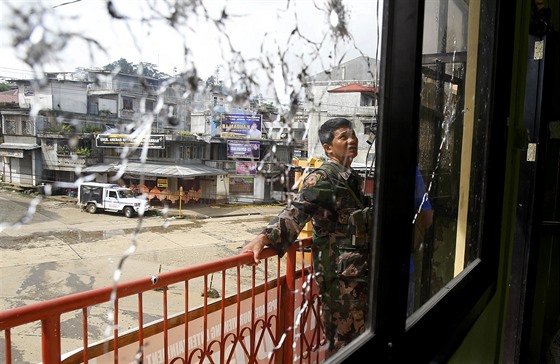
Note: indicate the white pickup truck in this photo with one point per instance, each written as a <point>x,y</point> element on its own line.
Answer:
<point>94,196</point>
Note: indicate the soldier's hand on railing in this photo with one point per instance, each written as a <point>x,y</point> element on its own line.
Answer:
<point>256,246</point>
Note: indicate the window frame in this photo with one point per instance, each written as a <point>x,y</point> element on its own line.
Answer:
<point>436,330</point>
<point>128,103</point>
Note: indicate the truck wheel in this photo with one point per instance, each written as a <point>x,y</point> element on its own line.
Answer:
<point>128,211</point>
<point>91,208</point>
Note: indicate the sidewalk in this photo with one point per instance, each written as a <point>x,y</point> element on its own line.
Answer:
<point>206,211</point>
<point>191,211</point>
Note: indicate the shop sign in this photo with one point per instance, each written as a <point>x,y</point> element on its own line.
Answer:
<point>245,168</point>
<point>162,182</point>
<point>14,153</point>
<point>241,126</point>
<point>243,149</point>
<point>123,140</point>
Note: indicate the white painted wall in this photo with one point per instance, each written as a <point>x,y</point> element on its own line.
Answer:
<point>106,104</point>
<point>69,96</point>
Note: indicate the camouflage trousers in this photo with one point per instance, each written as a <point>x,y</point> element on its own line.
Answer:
<point>344,317</point>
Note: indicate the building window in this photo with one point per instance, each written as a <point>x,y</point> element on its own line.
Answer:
<point>10,127</point>
<point>241,185</point>
<point>440,209</point>
<point>19,127</point>
<point>149,105</point>
<point>366,100</point>
<point>93,108</point>
<point>27,127</point>
<point>127,103</point>
<point>188,152</point>
<point>158,153</point>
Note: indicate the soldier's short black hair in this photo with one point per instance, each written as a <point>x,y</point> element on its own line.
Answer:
<point>326,131</point>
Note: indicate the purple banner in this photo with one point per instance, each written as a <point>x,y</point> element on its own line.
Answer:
<point>240,149</point>
<point>245,168</point>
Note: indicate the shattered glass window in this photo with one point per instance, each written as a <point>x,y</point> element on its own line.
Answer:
<point>450,174</point>
<point>204,115</point>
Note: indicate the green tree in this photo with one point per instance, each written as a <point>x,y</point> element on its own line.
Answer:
<point>150,70</point>
<point>210,81</point>
<point>146,69</point>
<point>4,87</point>
<point>123,65</point>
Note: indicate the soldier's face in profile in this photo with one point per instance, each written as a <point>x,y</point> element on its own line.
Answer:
<point>344,147</point>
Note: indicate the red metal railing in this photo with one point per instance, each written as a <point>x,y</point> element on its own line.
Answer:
<point>275,318</point>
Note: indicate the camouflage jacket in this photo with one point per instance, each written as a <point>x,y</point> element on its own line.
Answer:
<point>339,246</point>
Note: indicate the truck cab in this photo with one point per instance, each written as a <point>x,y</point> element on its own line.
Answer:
<point>93,196</point>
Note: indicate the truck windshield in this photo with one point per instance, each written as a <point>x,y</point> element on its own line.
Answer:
<point>126,194</point>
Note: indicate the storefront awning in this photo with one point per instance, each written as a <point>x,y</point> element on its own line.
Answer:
<point>158,170</point>
<point>19,146</point>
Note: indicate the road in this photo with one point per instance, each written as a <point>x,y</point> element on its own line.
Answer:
<point>63,250</point>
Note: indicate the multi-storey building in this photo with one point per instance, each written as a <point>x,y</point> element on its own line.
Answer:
<point>93,124</point>
<point>348,90</point>
<point>20,161</point>
<point>146,134</point>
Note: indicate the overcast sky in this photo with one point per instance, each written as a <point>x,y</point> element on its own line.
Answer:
<point>256,28</point>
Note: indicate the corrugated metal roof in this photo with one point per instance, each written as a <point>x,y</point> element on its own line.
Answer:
<point>9,97</point>
<point>159,170</point>
<point>19,146</point>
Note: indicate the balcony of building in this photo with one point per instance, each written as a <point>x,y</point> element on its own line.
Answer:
<point>267,313</point>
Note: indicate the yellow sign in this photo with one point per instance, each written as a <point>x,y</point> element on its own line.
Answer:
<point>162,182</point>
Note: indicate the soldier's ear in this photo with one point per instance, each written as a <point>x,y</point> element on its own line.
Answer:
<point>328,149</point>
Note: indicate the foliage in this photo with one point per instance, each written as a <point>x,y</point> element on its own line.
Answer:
<point>91,128</point>
<point>129,68</point>
<point>267,107</point>
<point>211,81</point>
<point>84,152</point>
<point>5,87</point>
<point>60,128</point>
<point>66,150</point>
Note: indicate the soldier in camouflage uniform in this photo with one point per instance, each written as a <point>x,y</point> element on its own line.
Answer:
<point>331,196</point>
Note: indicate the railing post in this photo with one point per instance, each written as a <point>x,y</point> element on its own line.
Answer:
<point>50,337</point>
<point>288,298</point>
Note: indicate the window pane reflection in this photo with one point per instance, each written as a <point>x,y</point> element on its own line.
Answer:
<point>451,141</point>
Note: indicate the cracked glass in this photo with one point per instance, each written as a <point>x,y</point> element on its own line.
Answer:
<point>130,125</point>
<point>452,138</point>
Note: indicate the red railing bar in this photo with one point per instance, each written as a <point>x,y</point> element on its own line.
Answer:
<point>165,327</point>
<point>223,319</point>
<point>48,312</point>
<point>205,322</point>
<point>140,325</point>
<point>186,320</point>
<point>303,315</point>
<point>288,299</point>
<point>116,331</point>
<point>278,355</point>
<point>252,356</point>
<point>238,301</point>
<point>85,334</point>
<point>50,338</point>
<point>8,343</point>
<point>41,310</point>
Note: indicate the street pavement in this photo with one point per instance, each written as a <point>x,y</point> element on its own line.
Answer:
<point>62,250</point>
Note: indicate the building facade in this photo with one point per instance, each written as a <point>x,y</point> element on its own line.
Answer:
<point>140,132</point>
